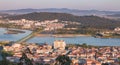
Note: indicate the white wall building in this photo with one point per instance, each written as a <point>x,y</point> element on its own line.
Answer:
<point>59,44</point>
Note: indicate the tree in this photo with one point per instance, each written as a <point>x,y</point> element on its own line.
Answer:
<point>7,62</point>
<point>119,59</point>
<point>105,64</point>
<point>25,59</point>
<point>63,60</point>
<point>4,54</point>
<point>84,45</point>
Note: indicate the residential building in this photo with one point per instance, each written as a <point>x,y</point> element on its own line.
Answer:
<point>59,44</point>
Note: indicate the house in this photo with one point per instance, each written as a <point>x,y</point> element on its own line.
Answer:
<point>59,44</point>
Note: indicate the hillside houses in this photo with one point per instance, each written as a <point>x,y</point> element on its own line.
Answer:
<point>45,54</point>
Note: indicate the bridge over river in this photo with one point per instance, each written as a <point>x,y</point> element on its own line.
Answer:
<point>26,38</point>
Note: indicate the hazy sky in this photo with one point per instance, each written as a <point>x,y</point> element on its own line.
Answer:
<point>72,4</point>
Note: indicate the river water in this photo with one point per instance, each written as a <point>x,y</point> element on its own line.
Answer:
<point>79,40</point>
<point>69,40</point>
<point>12,37</point>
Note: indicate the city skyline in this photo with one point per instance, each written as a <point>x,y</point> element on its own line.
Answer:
<point>71,4</point>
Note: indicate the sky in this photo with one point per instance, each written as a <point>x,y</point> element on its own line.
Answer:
<point>71,4</point>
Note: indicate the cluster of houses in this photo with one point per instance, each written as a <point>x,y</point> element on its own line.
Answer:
<point>48,25</point>
<point>116,32</point>
<point>28,24</point>
<point>96,56</point>
<point>47,54</point>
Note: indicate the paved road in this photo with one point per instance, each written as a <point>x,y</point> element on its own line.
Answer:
<point>26,38</point>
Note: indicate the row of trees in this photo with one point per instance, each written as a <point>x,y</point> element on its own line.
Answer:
<point>76,31</point>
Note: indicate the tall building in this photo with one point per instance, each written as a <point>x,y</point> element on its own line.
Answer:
<point>59,44</point>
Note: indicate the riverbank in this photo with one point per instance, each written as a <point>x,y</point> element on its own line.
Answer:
<point>110,36</point>
<point>13,31</point>
<point>61,35</point>
<point>73,35</point>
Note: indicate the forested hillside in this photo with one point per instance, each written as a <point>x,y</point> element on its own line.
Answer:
<point>86,21</point>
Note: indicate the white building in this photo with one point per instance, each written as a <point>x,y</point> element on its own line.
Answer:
<point>117,29</point>
<point>59,44</point>
<point>26,26</point>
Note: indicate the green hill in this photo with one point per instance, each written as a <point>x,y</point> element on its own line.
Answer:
<point>86,21</point>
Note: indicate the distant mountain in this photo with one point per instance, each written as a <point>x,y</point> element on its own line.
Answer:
<point>86,21</point>
<point>62,10</point>
<point>4,14</point>
<point>114,15</point>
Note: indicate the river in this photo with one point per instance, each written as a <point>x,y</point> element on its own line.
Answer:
<point>79,40</point>
<point>69,40</point>
<point>12,37</point>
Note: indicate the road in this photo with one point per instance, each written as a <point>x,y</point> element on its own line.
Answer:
<point>26,38</point>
